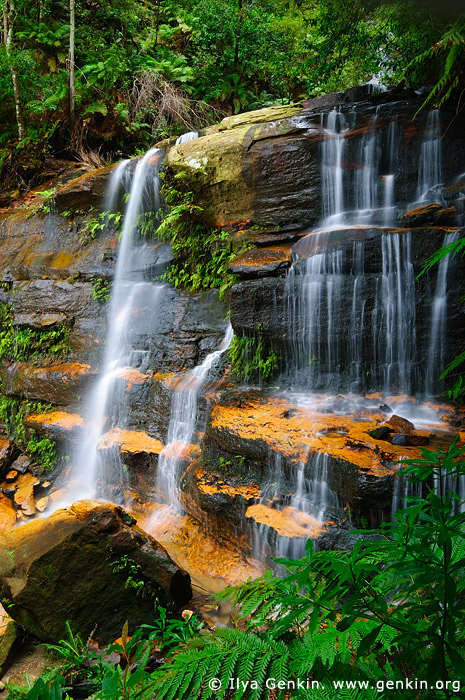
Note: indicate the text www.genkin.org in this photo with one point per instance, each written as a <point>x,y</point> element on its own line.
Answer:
<point>381,686</point>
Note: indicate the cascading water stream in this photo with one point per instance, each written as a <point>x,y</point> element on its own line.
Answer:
<point>126,288</point>
<point>183,421</point>
<point>436,350</point>
<point>298,518</point>
<point>332,170</point>
<point>430,168</point>
<point>188,136</point>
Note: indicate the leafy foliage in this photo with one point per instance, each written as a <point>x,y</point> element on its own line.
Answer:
<point>101,290</point>
<point>252,358</point>
<point>201,254</point>
<point>21,344</point>
<point>448,54</point>
<point>144,71</point>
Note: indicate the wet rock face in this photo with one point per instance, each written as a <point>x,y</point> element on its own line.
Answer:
<point>275,307</point>
<point>87,550</point>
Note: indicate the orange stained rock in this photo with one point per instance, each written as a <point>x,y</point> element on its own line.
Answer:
<point>58,419</point>
<point>67,369</point>
<point>133,441</point>
<point>288,522</point>
<point>133,376</point>
<point>212,563</point>
<point>298,432</point>
<point>7,513</point>
<point>181,451</point>
<point>210,483</point>
<point>62,260</point>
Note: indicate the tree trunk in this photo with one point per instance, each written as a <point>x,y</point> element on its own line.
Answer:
<point>9,14</point>
<point>72,24</point>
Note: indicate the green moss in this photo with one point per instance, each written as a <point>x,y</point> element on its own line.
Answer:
<point>22,344</point>
<point>100,290</point>
<point>201,254</point>
<point>253,358</point>
<point>41,450</point>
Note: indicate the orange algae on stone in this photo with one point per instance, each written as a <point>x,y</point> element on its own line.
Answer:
<point>62,260</point>
<point>288,522</point>
<point>212,483</point>
<point>132,441</point>
<point>295,432</point>
<point>133,376</point>
<point>56,419</point>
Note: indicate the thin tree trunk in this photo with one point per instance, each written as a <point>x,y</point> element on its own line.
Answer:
<point>8,24</point>
<point>72,24</point>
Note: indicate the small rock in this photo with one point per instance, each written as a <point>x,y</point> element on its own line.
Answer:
<point>21,464</point>
<point>11,475</point>
<point>45,484</point>
<point>385,408</point>
<point>380,433</point>
<point>418,439</point>
<point>24,499</point>
<point>27,480</point>
<point>400,440</point>
<point>42,503</point>
<point>397,424</point>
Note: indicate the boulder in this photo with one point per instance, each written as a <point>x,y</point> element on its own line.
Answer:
<point>58,384</point>
<point>10,643</point>
<point>89,565</point>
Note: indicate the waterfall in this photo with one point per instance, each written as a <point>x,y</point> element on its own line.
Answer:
<point>128,291</point>
<point>366,177</point>
<point>331,167</point>
<point>430,167</point>
<point>183,421</point>
<point>282,525</point>
<point>331,326</point>
<point>396,339</point>
<point>188,136</point>
<point>436,350</point>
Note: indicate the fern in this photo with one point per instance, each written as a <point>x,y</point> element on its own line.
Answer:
<point>226,654</point>
<point>452,249</point>
<point>450,50</point>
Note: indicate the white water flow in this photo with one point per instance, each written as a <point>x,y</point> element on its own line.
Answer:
<point>302,515</point>
<point>188,136</point>
<point>339,343</point>
<point>436,350</point>
<point>430,168</point>
<point>125,291</point>
<point>183,421</point>
<point>332,168</point>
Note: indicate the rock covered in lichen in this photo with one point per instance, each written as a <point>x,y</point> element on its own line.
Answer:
<point>89,565</point>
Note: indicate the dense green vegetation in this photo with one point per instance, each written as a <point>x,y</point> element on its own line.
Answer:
<point>389,610</point>
<point>94,80</point>
<point>201,254</point>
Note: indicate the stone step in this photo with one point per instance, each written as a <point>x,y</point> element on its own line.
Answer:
<point>56,425</point>
<point>136,447</point>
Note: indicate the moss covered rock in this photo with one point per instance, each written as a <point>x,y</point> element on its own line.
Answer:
<point>90,565</point>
